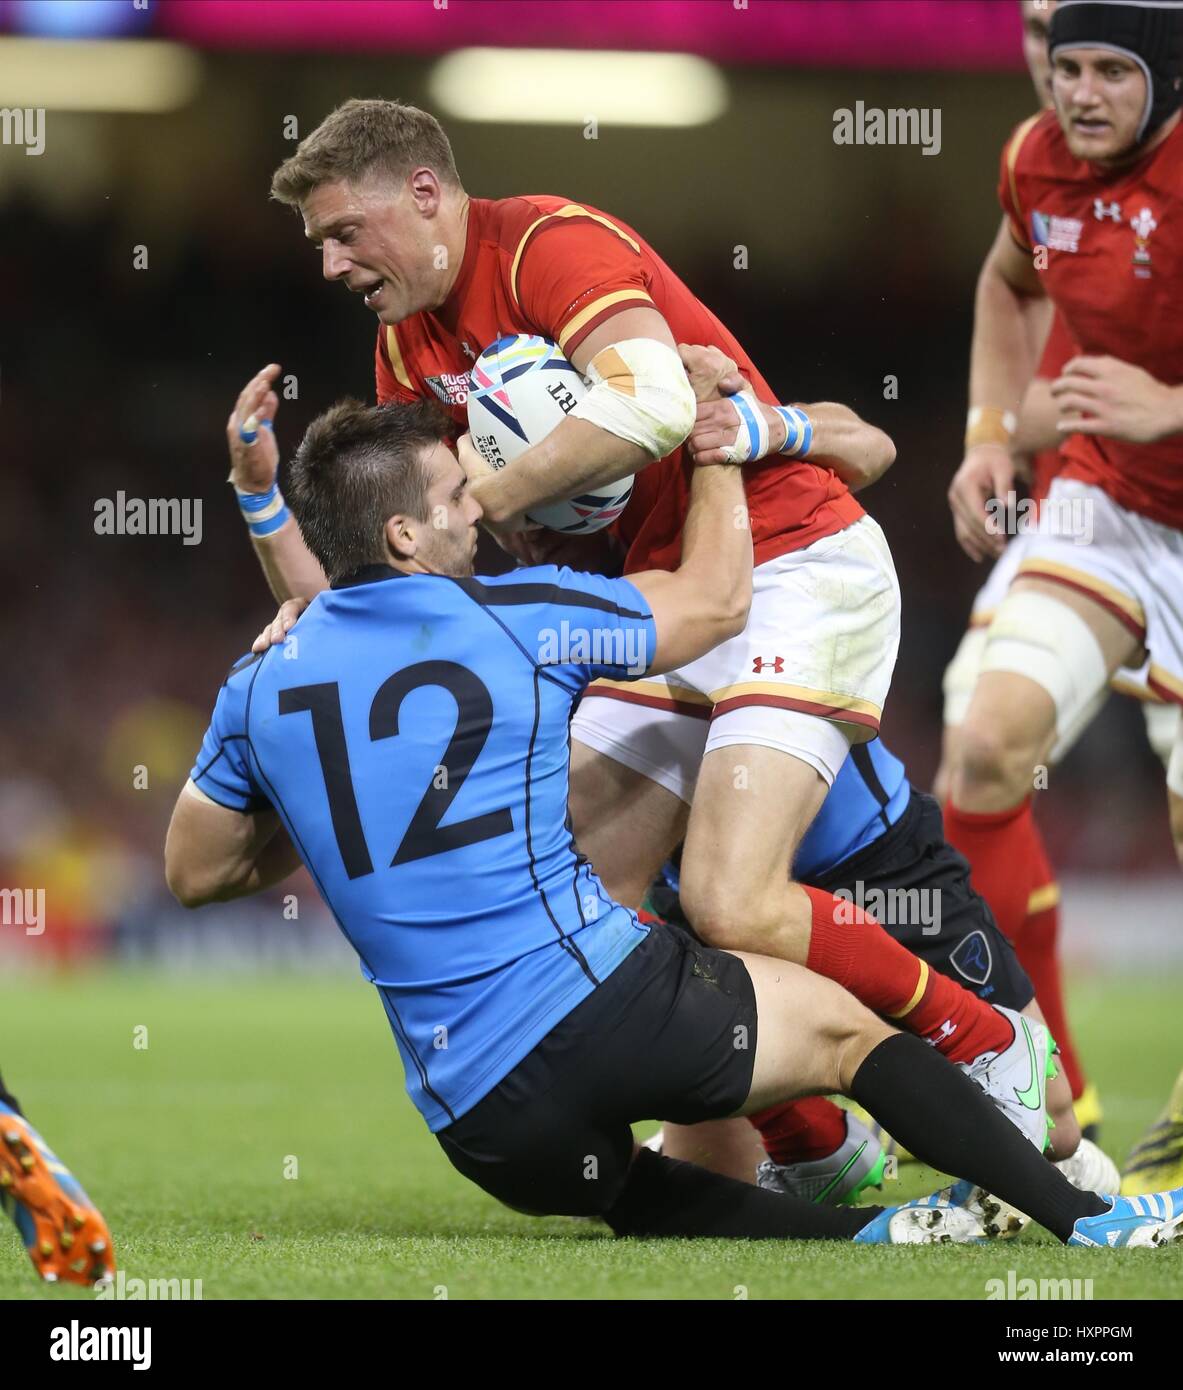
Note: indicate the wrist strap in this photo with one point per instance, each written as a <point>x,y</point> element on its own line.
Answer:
<point>752,440</point>
<point>798,431</point>
<point>987,424</point>
<point>263,512</point>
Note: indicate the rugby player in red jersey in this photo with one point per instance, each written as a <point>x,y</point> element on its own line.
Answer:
<point>1036,445</point>
<point>754,733</point>
<point>1093,220</point>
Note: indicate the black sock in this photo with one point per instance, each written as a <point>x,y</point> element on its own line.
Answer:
<point>665,1197</point>
<point>939,1114</point>
<point>8,1098</point>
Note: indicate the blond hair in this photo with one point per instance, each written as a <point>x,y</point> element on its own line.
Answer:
<point>362,138</point>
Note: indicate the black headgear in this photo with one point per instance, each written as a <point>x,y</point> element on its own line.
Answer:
<point>1148,31</point>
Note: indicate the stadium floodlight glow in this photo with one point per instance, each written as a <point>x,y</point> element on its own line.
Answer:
<point>546,86</point>
<point>121,75</point>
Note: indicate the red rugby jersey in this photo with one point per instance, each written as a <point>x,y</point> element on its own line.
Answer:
<point>541,264</point>
<point>1058,349</point>
<point>1115,274</point>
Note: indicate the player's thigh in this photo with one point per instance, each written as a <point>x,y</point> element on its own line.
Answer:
<point>751,808</point>
<point>1119,646</point>
<point>961,674</point>
<point>1049,654</point>
<point>538,1152</point>
<point>812,1034</point>
<point>624,821</point>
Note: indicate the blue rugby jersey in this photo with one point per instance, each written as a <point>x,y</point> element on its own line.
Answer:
<point>869,795</point>
<point>413,737</point>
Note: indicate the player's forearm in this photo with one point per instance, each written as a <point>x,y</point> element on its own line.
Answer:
<point>1038,414</point>
<point>857,452</point>
<point>1173,417</point>
<point>1002,360</point>
<point>575,457</point>
<point>716,564</point>
<point>291,570</point>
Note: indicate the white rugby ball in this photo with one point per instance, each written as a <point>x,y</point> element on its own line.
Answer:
<point>520,388</point>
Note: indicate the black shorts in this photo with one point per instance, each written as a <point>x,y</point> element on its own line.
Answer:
<point>670,1034</point>
<point>966,944</point>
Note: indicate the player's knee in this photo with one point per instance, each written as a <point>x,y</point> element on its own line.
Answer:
<point>992,757</point>
<point>714,912</point>
<point>724,914</point>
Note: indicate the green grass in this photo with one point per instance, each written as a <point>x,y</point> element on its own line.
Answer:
<point>184,1144</point>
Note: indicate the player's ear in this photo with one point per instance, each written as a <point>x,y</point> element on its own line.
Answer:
<point>402,536</point>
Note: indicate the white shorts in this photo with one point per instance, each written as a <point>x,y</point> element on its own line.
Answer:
<point>1108,572</point>
<point>1131,566</point>
<point>808,675</point>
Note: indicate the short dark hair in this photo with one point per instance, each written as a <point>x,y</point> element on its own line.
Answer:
<point>361,138</point>
<point>357,466</point>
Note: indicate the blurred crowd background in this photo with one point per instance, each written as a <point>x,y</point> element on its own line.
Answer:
<point>838,267</point>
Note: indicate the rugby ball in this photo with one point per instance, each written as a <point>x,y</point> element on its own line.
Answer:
<point>520,388</point>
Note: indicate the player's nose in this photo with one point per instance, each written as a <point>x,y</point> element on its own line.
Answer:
<point>334,263</point>
<point>1085,92</point>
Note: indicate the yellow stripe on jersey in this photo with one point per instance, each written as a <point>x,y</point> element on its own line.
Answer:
<point>1166,680</point>
<point>655,689</point>
<point>598,306</point>
<point>1043,898</point>
<point>396,360</point>
<point>570,210</point>
<point>1052,569</point>
<point>796,692</point>
<point>1012,158</point>
<point>1134,690</point>
<point>917,995</point>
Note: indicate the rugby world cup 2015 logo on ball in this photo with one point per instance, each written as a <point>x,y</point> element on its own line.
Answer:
<point>521,388</point>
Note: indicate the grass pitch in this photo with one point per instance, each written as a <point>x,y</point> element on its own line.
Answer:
<point>262,1143</point>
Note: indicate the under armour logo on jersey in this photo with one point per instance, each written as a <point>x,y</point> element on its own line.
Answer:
<point>468,352</point>
<point>1101,210</point>
<point>777,664</point>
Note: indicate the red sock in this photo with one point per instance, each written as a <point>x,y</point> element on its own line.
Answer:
<point>1004,849</point>
<point>1036,949</point>
<point>800,1130</point>
<point>848,945</point>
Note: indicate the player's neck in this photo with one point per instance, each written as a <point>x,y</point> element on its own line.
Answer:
<point>1139,152</point>
<point>456,253</point>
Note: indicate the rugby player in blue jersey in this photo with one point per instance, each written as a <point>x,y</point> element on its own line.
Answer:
<point>409,743</point>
